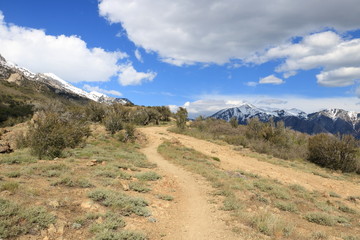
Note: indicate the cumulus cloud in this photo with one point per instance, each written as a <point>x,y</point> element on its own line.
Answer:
<point>100,90</point>
<point>212,31</point>
<point>129,76</point>
<point>67,56</point>
<point>337,57</point>
<point>271,80</point>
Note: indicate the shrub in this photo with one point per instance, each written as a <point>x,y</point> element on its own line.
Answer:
<point>181,117</point>
<point>234,122</point>
<point>139,187</point>
<point>338,153</point>
<point>95,112</point>
<point>165,197</point>
<point>320,218</point>
<point>148,176</point>
<point>69,182</point>
<point>16,220</point>
<point>113,122</point>
<point>119,201</point>
<point>50,133</point>
<point>285,206</point>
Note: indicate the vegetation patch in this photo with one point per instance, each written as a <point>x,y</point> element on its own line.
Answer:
<point>139,187</point>
<point>16,220</point>
<point>148,176</point>
<point>321,218</point>
<point>120,202</point>
<point>165,197</point>
<point>70,182</point>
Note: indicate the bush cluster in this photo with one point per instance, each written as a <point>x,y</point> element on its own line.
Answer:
<point>335,152</point>
<point>117,117</point>
<point>50,132</point>
<point>270,137</point>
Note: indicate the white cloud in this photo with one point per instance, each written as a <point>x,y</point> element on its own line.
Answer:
<point>251,84</point>
<point>212,31</point>
<point>271,80</point>
<point>271,101</point>
<point>337,57</point>
<point>138,56</point>
<point>67,56</point>
<point>129,76</point>
<point>100,90</point>
<point>340,77</point>
<point>209,104</point>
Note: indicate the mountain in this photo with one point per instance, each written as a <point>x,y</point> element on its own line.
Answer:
<point>329,121</point>
<point>12,73</point>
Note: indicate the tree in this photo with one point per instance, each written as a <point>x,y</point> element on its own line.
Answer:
<point>181,116</point>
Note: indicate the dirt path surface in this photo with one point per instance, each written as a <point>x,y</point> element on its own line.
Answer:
<point>191,216</point>
<point>233,160</point>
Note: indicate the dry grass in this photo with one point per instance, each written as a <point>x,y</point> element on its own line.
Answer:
<point>266,205</point>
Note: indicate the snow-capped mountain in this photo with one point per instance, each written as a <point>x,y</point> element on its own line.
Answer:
<point>329,120</point>
<point>7,69</point>
<point>247,111</point>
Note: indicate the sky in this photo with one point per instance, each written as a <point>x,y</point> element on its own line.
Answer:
<point>204,55</point>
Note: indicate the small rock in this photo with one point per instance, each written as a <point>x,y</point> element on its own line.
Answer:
<point>5,193</point>
<point>103,163</point>
<point>151,219</point>
<point>125,186</point>
<point>99,220</point>
<point>54,204</point>
<point>51,229</point>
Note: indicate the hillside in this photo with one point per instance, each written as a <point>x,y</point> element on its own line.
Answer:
<point>22,91</point>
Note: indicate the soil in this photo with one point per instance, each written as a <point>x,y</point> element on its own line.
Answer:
<point>193,216</point>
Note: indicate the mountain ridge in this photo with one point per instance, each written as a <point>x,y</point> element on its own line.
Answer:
<point>332,121</point>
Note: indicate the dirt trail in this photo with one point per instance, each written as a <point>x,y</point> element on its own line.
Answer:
<point>233,160</point>
<point>192,216</point>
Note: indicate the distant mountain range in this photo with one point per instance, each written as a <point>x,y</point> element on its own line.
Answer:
<point>12,73</point>
<point>329,121</point>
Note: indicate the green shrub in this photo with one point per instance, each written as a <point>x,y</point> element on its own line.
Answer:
<point>9,186</point>
<point>16,220</point>
<point>234,122</point>
<point>15,174</point>
<point>51,132</point>
<point>139,187</point>
<point>181,117</point>
<point>165,197</point>
<point>338,153</point>
<point>346,209</point>
<point>320,218</point>
<point>148,176</point>
<point>122,235</point>
<point>269,224</point>
<point>123,203</point>
<point>69,182</point>
<point>95,112</point>
<point>113,122</point>
<point>286,206</point>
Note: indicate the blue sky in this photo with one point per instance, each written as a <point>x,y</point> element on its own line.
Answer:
<point>204,55</point>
